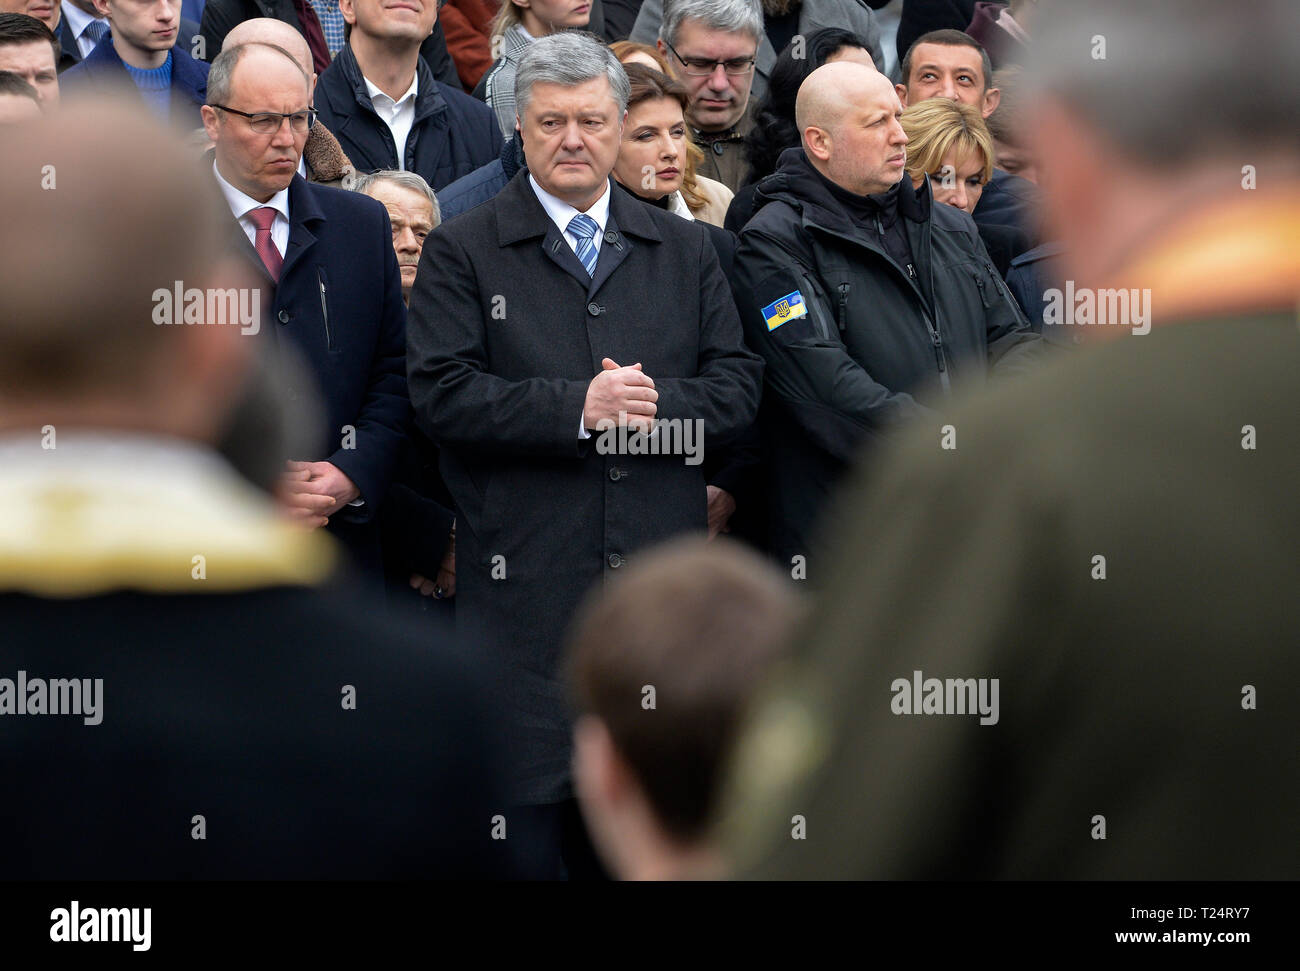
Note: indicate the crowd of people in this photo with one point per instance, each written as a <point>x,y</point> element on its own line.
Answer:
<point>623,395</point>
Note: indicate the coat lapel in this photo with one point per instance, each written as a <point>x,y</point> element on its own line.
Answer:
<point>303,214</point>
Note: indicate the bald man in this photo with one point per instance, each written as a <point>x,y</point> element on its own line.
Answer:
<point>205,727</point>
<point>871,303</point>
<point>323,159</point>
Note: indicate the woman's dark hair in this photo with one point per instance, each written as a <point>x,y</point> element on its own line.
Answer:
<point>646,84</point>
<point>774,129</point>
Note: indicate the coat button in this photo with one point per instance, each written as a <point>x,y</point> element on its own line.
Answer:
<point>594,309</point>
<point>615,474</point>
<point>284,316</point>
<point>615,561</point>
<point>611,236</point>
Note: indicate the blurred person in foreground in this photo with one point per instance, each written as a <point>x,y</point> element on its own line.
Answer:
<point>18,100</point>
<point>183,691</point>
<point>663,663</point>
<point>1113,538</point>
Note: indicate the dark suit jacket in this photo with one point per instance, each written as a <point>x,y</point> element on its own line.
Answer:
<point>103,70</point>
<point>71,53</point>
<point>221,16</point>
<point>229,705</point>
<point>452,134</point>
<point>339,301</point>
<point>507,332</point>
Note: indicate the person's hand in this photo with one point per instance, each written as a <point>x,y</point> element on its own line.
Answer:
<point>444,587</point>
<point>721,505</point>
<point>621,389</point>
<point>311,492</point>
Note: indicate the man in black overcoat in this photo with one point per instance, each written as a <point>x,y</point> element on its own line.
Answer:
<point>550,329</point>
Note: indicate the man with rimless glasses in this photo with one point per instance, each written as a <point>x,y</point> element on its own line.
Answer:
<point>328,284</point>
<point>711,45</point>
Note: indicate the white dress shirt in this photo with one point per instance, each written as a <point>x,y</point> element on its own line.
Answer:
<point>561,214</point>
<point>398,115</point>
<point>241,205</point>
<point>79,20</point>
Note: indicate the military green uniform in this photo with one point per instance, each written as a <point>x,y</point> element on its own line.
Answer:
<point>1156,706</point>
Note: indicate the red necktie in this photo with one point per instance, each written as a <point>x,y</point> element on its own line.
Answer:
<point>263,218</point>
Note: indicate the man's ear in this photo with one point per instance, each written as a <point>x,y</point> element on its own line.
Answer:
<point>209,116</point>
<point>817,142</point>
<point>901,91</point>
<point>346,8</point>
<point>992,98</point>
<point>101,7</point>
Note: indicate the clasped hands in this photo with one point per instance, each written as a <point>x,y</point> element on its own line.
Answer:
<point>625,391</point>
<point>311,492</point>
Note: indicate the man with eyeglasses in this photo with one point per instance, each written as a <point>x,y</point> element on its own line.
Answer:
<point>712,45</point>
<point>141,55</point>
<point>329,284</point>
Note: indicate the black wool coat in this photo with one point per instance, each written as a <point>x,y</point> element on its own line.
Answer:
<point>506,332</point>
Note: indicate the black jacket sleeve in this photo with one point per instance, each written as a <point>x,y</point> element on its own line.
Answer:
<point>824,390</point>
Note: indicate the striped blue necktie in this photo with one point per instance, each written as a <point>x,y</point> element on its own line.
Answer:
<point>95,30</point>
<point>585,228</point>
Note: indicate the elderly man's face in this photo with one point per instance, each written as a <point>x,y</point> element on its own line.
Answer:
<point>571,138</point>
<point>46,11</point>
<point>34,63</point>
<point>412,217</point>
<point>259,165</point>
<point>718,99</point>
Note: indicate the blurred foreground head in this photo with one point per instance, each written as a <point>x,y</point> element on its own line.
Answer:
<point>663,662</point>
<point>90,239</point>
<point>1138,110</point>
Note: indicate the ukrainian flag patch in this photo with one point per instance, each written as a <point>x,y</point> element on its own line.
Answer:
<point>782,311</point>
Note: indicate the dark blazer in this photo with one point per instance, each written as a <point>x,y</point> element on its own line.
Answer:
<point>1009,200</point>
<point>221,16</point>
<point>228,705</point>
<point>71,53</point>
<point>451,136</point>
<point>339,301</point>
<point>484,182</point>
<point>507,332</point>
<point>103,69</point>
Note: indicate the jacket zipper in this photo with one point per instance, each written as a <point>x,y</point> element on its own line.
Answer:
<point>1000,286</point>
<point>325,313</point>
<point>931,324</point>
<point>844,299</point>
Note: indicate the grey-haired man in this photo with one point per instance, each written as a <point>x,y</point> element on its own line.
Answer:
<point>555,311</point>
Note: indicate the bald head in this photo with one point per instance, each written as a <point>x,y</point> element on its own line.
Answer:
<point>266,30</point>
<point>834,88</point>
<point>79,328</point>
<point>849,119</point>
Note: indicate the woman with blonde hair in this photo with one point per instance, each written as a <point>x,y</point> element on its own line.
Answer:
<point>518,24</point>
<point>654,92</point>
<point>948,142</point>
